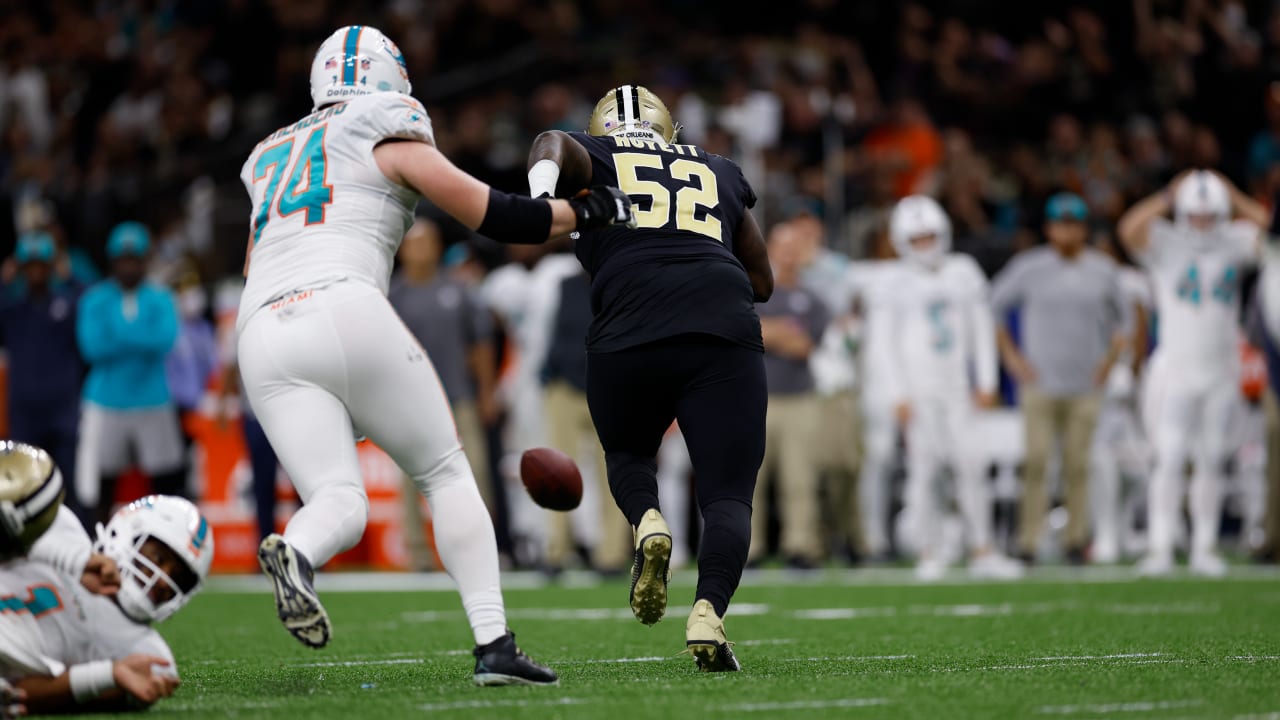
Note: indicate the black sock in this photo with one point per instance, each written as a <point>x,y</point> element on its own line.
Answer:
<point>633,480</point>
<point>725,539</point>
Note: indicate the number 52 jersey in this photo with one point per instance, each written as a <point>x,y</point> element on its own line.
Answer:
<point>322,210</point>
<point>676,272</point>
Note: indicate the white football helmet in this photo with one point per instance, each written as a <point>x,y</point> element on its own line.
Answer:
<point>916,216</point>
<point>1201,194</point>
<point>30,494</point>
<point>176,523</point>
<point>357,60</point>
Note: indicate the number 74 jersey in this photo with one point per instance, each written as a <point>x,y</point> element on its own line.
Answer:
<point>1198,295</point>
<point>322,209</point>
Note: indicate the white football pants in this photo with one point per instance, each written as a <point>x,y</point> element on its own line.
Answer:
<point>1119,450</point>
<point>879,433</point>
<point>320,360</point>
<point>940,435</point>
<point>1186,420</point>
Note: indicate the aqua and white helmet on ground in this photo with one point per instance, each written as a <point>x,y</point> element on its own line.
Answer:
<point>31,492</point>
<point>172,521</point>
<point>917,216</point>
<point>357,60</point>
<point>1201,194</point>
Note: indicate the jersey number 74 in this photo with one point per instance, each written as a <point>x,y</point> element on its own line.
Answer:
<point>305,190</point>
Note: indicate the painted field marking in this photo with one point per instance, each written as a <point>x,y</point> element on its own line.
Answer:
<point>848,658</point>
<point>1109,708</point>
<point>1120,656</point>
<point>808,704</point>
<point>469,704</point>
<point>567,614</point>
<point>360,663</point>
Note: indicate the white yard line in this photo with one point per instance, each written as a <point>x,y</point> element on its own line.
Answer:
<point>1126,707</point>
<point>360,663</point>
<point>573,614</point>
<point>848,658</point>
<point>808,704</point>
<point>1102,657</point>
<point>768,641</point>
<point>476,704</point>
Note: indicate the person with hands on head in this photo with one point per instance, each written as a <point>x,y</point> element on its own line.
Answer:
<point>1197,261</point>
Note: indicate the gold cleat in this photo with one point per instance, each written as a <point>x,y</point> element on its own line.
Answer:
<point>705,640</point>
<point>651,569</point>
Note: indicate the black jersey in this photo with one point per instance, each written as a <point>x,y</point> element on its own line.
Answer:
<point>676,273</point>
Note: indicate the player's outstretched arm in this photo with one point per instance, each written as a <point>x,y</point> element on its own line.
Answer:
<point>1133,225</point>
<point>750,249</point>
<point>501,216</point>
<point>558,165</point>
<point>130,683</point>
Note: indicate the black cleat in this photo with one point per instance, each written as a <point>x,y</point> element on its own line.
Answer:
<point>501,662</point>
<point>297,604</point>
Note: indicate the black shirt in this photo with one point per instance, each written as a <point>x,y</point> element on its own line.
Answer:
<point>676,273</point>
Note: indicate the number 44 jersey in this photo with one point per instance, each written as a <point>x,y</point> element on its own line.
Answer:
<point>1198,296</point>
<point>676,273</point>
<point>322,210</point>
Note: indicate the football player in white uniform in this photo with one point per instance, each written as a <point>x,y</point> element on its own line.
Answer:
<point>936,324</point>
<point>67,648</point>
<point>321,349</point>
<point>1193,382</point>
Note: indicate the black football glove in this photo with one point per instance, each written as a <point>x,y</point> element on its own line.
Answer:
<point>602,206</point>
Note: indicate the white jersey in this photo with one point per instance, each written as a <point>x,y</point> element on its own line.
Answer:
<point>1198,295</point>
<point>49,621</point>
<point>936,327</point>
<point>866,281</point>
<point>322,210</point>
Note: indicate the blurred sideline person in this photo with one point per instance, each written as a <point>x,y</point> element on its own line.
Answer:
<point>38,333</point>
<point>456,330</point>
<point>76,633</point>
<point>936,324</point>
<point>1193,387</point>
<point>194,359</point>
<point>322,352</point>
<point>1120,450</point>
<point>570,429</point>
<point>126,326</point>
<point>675,337</point>
<point>879,427</point>
<point>834,367</point>
<point>792,324</point>
<point>1073,321</point>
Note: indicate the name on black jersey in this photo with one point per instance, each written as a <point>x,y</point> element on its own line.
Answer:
<point>643,144</point>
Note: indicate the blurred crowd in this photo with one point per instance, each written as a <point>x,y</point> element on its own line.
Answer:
<point>142,112</point>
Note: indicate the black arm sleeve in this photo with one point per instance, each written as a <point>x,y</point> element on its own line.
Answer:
<point>515,219</point>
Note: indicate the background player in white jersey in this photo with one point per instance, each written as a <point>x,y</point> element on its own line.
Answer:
<point>67,648</point>
<point>1120,449</point>
<point>321,348</point>
<point>936,324</point>
<point>1193,383</point>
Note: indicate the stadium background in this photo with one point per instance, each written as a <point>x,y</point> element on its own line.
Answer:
<point>145,111</point>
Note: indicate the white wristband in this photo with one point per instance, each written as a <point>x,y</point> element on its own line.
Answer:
<point>543,177</point>
<point>89,680</point>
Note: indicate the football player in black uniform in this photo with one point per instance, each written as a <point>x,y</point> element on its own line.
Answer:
<point>675,336</point>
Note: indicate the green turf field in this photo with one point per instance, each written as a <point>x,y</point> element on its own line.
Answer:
<point>826,645</point>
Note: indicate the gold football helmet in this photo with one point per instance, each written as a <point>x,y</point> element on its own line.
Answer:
<point>30,494</point>
<point>632,109</point>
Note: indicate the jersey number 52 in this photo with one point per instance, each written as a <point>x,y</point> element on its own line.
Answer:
<point>704,194</point>
<point>305,191</point>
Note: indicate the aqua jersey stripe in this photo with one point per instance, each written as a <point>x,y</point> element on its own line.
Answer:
<point>350,48</point>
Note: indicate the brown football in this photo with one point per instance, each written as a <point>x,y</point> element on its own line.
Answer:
<point>552,478</point>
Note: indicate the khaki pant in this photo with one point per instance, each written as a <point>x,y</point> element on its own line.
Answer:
<point>475,447</point>
<point>790,428</point>
<point>838,451</point>
<point>1071,420</point>
<point>570,423</point>
<point>1271,520</point>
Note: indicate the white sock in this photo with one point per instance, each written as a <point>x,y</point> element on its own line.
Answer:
<point>467,546</point>
<point>332,521</point>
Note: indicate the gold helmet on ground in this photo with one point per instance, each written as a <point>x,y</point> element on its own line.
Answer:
<point>633,111</point>
<point>30,495</point>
